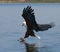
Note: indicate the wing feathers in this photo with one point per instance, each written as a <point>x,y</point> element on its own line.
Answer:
<point>43,27</point>
<point>29,17</point>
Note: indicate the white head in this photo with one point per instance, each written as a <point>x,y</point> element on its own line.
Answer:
<point>24,23</point>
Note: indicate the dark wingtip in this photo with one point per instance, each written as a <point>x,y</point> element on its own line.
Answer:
<point>52,24</point>
<point>27,11</point>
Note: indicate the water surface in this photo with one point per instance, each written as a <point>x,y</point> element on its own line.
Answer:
<point>11,29</point>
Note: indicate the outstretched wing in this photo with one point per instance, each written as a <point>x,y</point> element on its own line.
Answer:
<point>28,15</point>
<point>43,27</point>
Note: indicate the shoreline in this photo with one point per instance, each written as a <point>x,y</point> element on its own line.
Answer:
<point>29,1</point>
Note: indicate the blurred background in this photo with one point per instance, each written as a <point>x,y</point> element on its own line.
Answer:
<point>43,1</point>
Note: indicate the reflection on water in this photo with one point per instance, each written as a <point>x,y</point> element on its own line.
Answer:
<point>33,48</point>
<point>30,47</point>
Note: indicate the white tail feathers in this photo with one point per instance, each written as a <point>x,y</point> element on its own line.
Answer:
<point>37,36</point>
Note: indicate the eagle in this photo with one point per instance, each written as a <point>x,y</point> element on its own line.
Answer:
<point>32,25</point>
